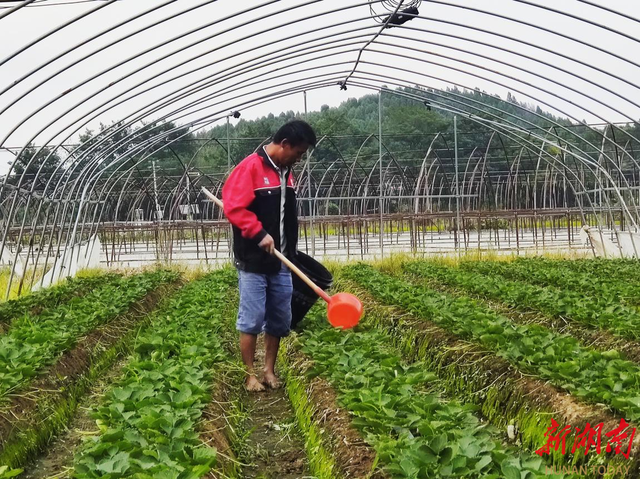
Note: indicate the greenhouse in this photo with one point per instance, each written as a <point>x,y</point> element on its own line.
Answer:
<point>474,183</point>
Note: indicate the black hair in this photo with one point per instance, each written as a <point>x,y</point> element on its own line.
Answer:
<point>296,132</point>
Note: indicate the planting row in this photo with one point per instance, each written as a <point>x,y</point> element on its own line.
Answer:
<point>151,418</point>
<point>611,269</point>
<point>159,419</point>
<point>600,312</point>
<point>586,373</point>
<point>32,343</point>
<point>51,297</point>
<point>148,419</point>
<point>415,432</point>
<point>607,291</point>
<point>516,403</point>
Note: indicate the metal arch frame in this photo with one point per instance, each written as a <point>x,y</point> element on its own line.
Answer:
<point>544,29</point>
<point>86,169</point>
<point>459,112</point>
<point>524,140</point>
<point>152,63</point>
<point>86,153</point>
<point>492,124</point>
<point>431,93</point>
<point>420,174</point>
<point>87,179</point>
<point>490,13</point>
<point>508,124</point>
<point>340,157</point>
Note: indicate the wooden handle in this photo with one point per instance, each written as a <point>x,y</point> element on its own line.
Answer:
<point>302,276</point>
<point>213,198</point>
<point>316,289</point>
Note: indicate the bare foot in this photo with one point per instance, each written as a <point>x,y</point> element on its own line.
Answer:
<point>271,380</point>
<point>253,385</point>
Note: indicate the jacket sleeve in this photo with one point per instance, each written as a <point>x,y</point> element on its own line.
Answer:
<point>238,194</point>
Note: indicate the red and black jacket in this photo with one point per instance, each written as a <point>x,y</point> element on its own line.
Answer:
<point>251,198</point>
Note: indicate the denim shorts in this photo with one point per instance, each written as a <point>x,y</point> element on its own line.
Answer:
<point>265,303</point>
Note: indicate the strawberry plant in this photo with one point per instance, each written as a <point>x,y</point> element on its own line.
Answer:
<point>598,289</point>
<point>6,472</point>
<point>148,418</point>
<point>603,312</point>
<point>589,374</point>
<point>53,296</point>
<point>30,344</point>
<point>623,270</point>
<point>415,433</point>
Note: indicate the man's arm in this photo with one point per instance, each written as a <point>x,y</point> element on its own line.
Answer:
<point>238,194</point>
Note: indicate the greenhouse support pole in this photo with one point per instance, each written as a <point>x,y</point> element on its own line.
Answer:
<point>455,141</point>
<point>380,160</point>
<point>155,191</point>
<point>228,147</point>
<point>311,205</point>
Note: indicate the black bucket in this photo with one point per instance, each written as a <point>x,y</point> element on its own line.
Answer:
<point>303,296</point>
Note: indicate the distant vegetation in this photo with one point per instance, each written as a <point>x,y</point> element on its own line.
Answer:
<point>411,119</point>
<point>408,126</point>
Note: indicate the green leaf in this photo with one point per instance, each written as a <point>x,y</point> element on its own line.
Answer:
<point>510,472</point>
<point>483,462</point>
<point>409,468</point>
<point>438,443</point>
<point>118,464</point>
<point>6,473</point>
<point>204,455</point>
<point>145,462</point>
<point>445,455</point>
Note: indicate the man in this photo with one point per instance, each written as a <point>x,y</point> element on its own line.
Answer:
<point>259,201</point>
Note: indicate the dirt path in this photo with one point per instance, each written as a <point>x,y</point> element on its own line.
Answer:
<point>274,448</point>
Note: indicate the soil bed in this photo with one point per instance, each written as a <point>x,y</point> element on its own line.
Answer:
<point>353,456</point>
<point>48,402</point>
<point>594,338</point>
<point>472,374</point>
<point>218,429</point>
<point>58,459</point>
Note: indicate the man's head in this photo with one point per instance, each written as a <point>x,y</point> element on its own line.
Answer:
<point>290,142</point>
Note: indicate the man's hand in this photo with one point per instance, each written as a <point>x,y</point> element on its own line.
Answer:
<point>267,244</point>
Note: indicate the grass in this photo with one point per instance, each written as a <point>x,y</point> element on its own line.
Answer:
<point>393,262</point>
<point>5,274</point>
<point>321,461</point>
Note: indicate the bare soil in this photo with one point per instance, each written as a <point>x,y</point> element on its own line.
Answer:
<point>274,446</point>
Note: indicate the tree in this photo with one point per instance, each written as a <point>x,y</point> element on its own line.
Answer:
<point>31,161</point>
<point>170,146</point>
